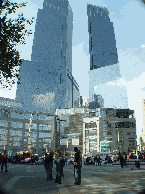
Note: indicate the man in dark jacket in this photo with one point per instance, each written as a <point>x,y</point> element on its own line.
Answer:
<point>49,165</point>
<point>77,166</point>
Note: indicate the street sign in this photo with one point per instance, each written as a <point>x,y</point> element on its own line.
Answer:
<point>104,143</point>
<point>63,141</point>
<point>75,141</point>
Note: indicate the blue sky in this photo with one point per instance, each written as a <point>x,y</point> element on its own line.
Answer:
<point>128,21</point>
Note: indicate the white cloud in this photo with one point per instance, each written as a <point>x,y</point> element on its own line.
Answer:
<point>131,63</point>
<point>80,67</point>
<point>142,46</point>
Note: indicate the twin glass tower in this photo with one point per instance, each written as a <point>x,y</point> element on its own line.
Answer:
<point>47,83</point>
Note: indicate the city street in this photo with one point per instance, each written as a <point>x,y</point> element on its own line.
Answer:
<point>31,179</point>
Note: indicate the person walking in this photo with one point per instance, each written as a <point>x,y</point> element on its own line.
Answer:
<point>125,159</point>
<point>77,166</point>
<point>60,163</point>
<point>4,161</point>
<point>49,165</point>
<point>45,161</point>
<point>121,161</point>
<point>107,158</point>
<point>99,161</point>
<point>1,158</point>
<point>95,160</point>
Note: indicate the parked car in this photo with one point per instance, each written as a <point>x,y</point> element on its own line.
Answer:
<point>89,160</point>
<point>23,161</point>
<point>70,160</point>
<point>39,161</point>
<point>28,160</point>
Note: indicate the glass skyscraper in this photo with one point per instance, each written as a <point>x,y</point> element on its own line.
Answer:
<point>104,65</point>
<point>46,81</point>
<point>102,43</point>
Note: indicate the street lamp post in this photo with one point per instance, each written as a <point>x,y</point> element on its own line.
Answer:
<point>59,130</point>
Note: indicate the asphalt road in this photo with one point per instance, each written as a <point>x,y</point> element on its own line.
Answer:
<point>31,179</point>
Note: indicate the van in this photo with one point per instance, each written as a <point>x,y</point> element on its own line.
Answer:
<point>101,154</point>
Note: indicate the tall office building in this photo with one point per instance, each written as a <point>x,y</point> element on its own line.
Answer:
<point>104,66</point>
<point>46,81</point>
<point>102,43</point>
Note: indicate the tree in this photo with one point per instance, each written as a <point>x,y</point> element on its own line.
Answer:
<point>12,33</point>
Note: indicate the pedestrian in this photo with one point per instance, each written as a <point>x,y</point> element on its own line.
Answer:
<point>106,158</point>
<point>4,161</point>
<point>45,161</point>
<point>95,160</point>
<point>1,158</point>
<point>60,163</point>
<point>16,158</point>
<point>125,159</point>
<point>49,165</point>
<point>77,166</point>
<point>99,161</point>
<point>121,161</point>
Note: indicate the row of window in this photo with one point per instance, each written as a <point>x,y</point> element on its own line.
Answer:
<point>90,125</point>
<point>4,123</point>
<point>25,116</point>
<point>4,133</point>
<point>124,125</point>
<point>18,144</point>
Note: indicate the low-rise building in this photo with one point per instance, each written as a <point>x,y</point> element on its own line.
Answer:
<point>15,124</point>
<point>109,130</point>
<point>69,129</point>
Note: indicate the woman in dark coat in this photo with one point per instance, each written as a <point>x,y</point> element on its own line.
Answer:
<point>121,161</point>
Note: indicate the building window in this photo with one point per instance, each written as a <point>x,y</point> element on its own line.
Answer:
<point>103,113</point>
<point>5,113</point>
<point>14,133</point>
<point>34,134</point>
<point>3,123</point>
<point>43,134</point>
<point>90,125</point>
<point>45,127</point>
<point>104,133</point>
<point>16,125</point>
<point>26,134</point>
<point>105,124</point>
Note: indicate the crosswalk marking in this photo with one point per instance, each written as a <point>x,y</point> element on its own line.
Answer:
<point>8,186</point>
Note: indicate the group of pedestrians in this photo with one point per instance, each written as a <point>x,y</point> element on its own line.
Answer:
<point>4,160</point>
<point>60,163</point>
<point>48,164</point>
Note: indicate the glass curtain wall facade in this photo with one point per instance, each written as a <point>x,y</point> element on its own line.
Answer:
<point>49,89</point>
